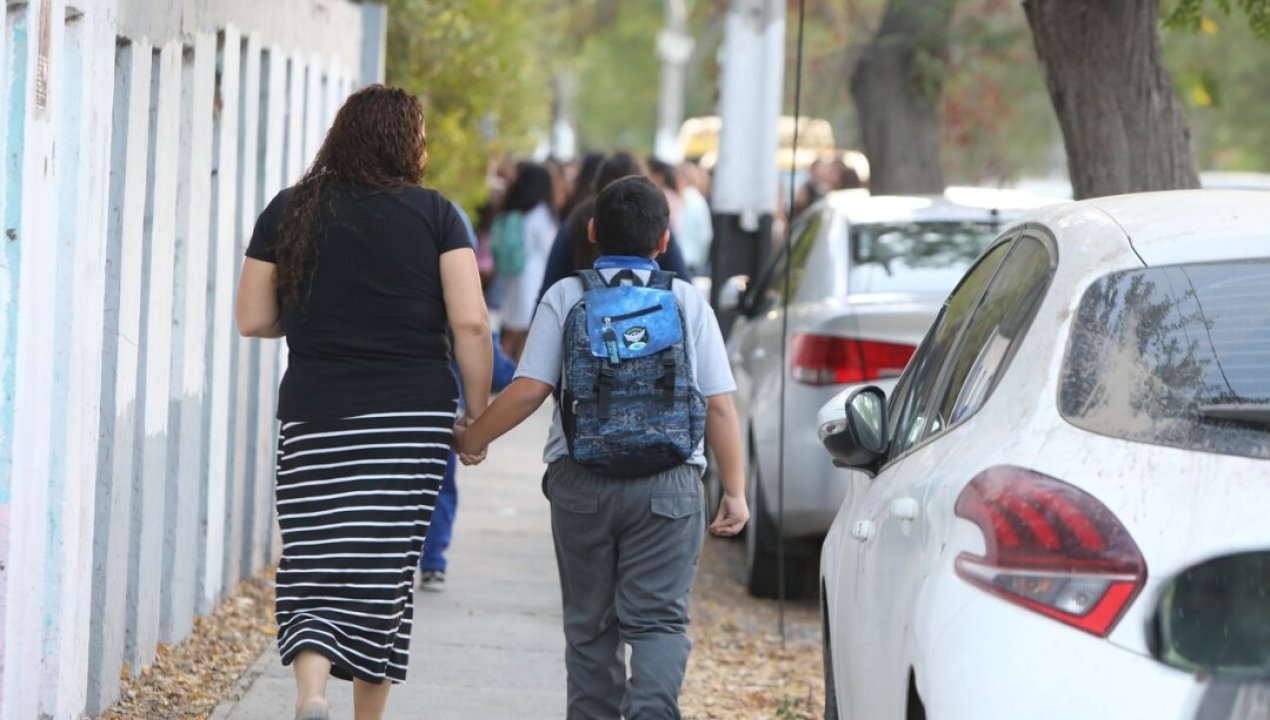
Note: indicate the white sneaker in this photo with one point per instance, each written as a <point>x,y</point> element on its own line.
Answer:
<point>432,580</point>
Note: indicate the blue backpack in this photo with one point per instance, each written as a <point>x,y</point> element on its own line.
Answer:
<point>507,243</point>
<point>628,397</point>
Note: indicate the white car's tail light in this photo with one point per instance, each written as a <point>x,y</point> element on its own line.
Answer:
<point>831,360</point>
<point>1050,547</point>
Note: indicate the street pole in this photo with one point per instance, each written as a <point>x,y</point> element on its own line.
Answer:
<point>745,178</point>
<point>563,141</point>
<point>674,47</point>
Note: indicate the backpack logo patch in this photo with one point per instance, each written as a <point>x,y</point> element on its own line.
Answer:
<point>636,338</point>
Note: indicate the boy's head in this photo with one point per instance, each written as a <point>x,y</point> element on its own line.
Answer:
<point>631,218</point>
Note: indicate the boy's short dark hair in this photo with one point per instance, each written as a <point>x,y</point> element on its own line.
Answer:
<point>631,215</point>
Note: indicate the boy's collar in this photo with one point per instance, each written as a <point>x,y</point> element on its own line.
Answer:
<point>626,262</point>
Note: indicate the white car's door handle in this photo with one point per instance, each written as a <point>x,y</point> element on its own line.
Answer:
<point>862,530</point>
<point>759,353</point>
<point>904,508</point>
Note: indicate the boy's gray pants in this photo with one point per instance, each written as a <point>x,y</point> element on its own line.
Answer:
<point>627,550</point>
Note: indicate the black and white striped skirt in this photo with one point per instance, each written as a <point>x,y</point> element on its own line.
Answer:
<point>355,498</point>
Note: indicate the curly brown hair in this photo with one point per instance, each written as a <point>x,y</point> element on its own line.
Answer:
<point>377,140</point>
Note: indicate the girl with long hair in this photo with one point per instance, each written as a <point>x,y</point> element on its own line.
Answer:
<point>572,250</point>
<point>367,274</point>
<point>529,208</point>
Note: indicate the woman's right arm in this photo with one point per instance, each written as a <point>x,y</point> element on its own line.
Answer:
<point>257,309</point>
<point>469,320</point>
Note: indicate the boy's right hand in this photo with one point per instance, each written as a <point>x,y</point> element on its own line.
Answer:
<point>734,512</point>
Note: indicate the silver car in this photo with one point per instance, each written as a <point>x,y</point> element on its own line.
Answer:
<point>868,275</point>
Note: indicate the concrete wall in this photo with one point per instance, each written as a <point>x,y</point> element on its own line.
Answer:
<point>140,139</point>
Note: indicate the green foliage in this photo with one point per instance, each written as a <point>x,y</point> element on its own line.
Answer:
<point>997,120</point>
<point>1189,14</point>
<point>618,79</point>
<point>485,70</point>
<point>928,74</point>
<point>833,37</point>
<point>482,73</point>
<point>1220,76</point>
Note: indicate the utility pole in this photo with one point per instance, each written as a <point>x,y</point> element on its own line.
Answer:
<point>674,47</point>
<point>563,142</point>
<point>745,178</point>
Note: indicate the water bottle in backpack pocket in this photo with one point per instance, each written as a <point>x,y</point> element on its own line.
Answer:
<point>628,397</point>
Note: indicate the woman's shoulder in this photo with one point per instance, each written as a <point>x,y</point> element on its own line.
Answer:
<point>425,197</point>
<point>271,216</point>
<point>425,203</point>
<point>279,201</point>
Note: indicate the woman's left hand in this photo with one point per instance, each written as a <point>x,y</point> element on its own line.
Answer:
<point>467,455</point>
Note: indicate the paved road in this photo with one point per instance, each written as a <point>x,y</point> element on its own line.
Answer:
<point>490,646</point>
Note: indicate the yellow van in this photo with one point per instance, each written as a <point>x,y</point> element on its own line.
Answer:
<point>699,138</point>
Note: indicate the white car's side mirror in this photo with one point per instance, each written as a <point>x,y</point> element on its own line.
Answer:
<point>852,427</point>
<point>732,294</point>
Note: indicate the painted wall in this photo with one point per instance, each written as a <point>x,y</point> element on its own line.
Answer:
<point>139,141</point>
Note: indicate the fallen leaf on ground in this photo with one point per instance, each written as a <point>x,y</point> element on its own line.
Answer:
<point>739,668</point>
<point>188,680</point>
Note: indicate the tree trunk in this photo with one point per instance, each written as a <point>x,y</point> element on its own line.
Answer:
<point>896,87</point>
<point>1123,126</point>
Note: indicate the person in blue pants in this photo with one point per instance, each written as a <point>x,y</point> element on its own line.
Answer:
<point>432,562</point>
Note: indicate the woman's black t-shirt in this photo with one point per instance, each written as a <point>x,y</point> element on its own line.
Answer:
<point>370,332</point>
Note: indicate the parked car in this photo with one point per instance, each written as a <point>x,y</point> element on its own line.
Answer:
<point>699,140</point>
<point>1218,180</point>
<point>1088,416</point>
<point>867,276</point>
<point>1061,187</point>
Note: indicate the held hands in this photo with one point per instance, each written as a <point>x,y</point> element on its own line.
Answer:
<point>734,512</point>
<point>468,455</point>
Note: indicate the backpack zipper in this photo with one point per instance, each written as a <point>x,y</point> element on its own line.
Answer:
<point>632,315</point>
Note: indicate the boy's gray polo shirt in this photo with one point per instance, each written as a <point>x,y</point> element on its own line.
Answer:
<point>544,349</point>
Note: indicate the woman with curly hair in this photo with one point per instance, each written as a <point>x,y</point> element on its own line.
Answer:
<point>367,274</point>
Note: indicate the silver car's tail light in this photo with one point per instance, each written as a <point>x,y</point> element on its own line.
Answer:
<point>832,360</point>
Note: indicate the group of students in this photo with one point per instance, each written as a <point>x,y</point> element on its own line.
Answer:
<point>374,281</point>
<point>523,251</point>
<point>537,219</point>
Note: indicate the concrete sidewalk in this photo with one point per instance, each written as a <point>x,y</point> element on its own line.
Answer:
<point>490,646</point>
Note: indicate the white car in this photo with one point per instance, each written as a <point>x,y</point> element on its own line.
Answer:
<point>867,276</point>
<point>1088,416</point>
<point>1234,181</point>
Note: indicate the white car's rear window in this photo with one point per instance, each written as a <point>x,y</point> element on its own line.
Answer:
<point>916,256</point>
<point>1176,356</point>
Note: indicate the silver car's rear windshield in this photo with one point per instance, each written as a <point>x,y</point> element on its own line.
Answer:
<point>1177,356</point>
<point>916,256</point>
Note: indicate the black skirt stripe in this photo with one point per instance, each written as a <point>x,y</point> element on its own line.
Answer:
<point>355,499</point>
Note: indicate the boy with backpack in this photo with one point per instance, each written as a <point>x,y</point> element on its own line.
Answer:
<point>638,367</point>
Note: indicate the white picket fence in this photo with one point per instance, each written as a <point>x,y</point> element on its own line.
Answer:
<point>140,140</point>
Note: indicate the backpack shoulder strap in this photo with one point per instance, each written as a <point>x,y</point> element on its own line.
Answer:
<point>592,280</point>
<point>661,280</point>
